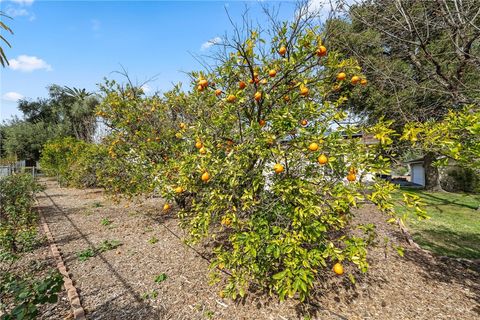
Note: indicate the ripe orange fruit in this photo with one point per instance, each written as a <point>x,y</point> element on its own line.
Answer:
<point>322,159</point>
<point>203,83</point>
<point>218,92</point>
<point>304,122</point>
<point>351,177</point>
<point>198,144</point>
<point>313,146</point>
<point>355,79</point>
<point>341,76</point>
<point>199,88</point>
<point>338,268</point>
<point>205,176</point>
<point>262,122</point>
<point>178,189</point>
<point>257,96</point>
<point>203,150</point>
<point>250,81</point>
<point>363,82</point>
<point>286,98</point>
<point>226,221</point>
<point>321,51</point>
<point>182,125</point>
<point>282,50</point>
<point>272,73</point>
<point>231,98</point>
<point>278,168</point>
<point>304,91</point>
<point>242,85</point>
<point>166,207</point>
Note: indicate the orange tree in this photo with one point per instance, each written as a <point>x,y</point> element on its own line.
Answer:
<point>269,169</point>
<point>143,138</point>
<point>260,158</point>
<point>74,162</point>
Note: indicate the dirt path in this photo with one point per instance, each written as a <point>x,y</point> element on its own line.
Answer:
<point>119,283</point>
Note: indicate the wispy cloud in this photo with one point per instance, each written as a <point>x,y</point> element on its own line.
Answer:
<point>146,88</point>
<point>17,8</point>
<point>26,63</point>
<point>209,43</point>
<point>17,12</point>
<point>12,96</point>
<point>23,2</point>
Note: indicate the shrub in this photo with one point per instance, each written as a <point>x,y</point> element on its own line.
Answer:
<point>73,162</point>
<point>17,219</point>
<point>457,179</point>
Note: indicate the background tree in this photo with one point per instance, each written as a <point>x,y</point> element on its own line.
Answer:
<point>422,59</point>
<point>25,139</point>
<point>67,112</point>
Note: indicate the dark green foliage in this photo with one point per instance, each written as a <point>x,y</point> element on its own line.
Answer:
<point>419,58</point>
<point>25,294</point>
<point>461,179</point>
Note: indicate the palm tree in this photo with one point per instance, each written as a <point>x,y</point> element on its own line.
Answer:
<point>80,106</point>
<point>3,57</point>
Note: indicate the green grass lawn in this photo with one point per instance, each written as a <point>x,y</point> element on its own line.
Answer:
<point>454,227</point>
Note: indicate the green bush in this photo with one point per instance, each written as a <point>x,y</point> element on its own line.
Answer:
<point>17,219</point>
<point>461,179</point>
<point>74,162</point>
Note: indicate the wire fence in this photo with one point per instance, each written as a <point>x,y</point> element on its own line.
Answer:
<point>6,171</point>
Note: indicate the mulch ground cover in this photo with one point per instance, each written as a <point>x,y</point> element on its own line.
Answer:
<point>115,252</point>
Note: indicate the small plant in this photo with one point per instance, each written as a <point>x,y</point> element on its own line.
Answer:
<point>27,294</point>
<point>85,254</point>
<point>106,222</point>
<point>150,295</point>
<point>153,240</point>
<point>97,204</point>
<point>107,245</point>
<point>160,278</point>
<point>208,314</point>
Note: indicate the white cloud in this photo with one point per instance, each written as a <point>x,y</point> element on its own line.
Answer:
<point>23,2</point>
<point>146,88</point>
<point>28,64</point>
<point>210,43</point>
<point>12,96</point>
<point>17,12</point>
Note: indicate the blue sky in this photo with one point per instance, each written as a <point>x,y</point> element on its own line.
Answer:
<point>78,43</point>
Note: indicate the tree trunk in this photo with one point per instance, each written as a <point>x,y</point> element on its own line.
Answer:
<point>432,175</point>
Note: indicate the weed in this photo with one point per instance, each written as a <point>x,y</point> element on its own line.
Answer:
<point>160,278</point>
<point>153,240</point>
